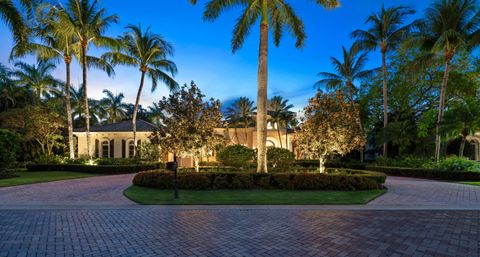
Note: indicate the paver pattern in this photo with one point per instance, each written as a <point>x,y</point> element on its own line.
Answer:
<point>247,232</point>
<point>421,192</point>
<point>93,191</point>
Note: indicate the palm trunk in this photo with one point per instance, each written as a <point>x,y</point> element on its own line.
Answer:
<point>279,135</point>
<point>236,134</point>
<point>246,135</point>
<point>286,138</point>
<point>135,110</point>
<point>87,112</point>
<point>441,108</point>
<point>69,108</point>
<point>385,99</point>
<point>262,93</point>
<point>462,146</point>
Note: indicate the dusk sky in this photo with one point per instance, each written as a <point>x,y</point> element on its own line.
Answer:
<point>203,53</point>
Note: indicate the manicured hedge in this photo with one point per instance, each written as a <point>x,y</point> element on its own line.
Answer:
<point>100,169</point>
<point>350,180</point>
<point>428,173</point>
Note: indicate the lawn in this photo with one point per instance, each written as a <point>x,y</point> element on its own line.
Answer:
<point>472,183</point>
<point>150,196</point>
<point>27,177</point>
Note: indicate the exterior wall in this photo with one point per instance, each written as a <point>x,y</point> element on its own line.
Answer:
<point>117,138</point>
<point>250,140</point>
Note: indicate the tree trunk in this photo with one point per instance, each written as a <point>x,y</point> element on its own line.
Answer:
<point>262,93</point>
<point>236,134</point>
<point>321,166</point>
<point>69,108</point>
<point>246,135</point>
<point>197,165</point>
<point>441,108</point>
<point>279,135</point>
<point>462,146</point>
<point>85,94</point>
<point>385,98</point>
<point>135,111</point>
<point>286,138</point>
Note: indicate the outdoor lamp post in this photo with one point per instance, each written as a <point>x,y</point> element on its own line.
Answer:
<point>173,166</point>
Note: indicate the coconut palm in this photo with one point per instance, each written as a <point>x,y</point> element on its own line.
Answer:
<point>14,19</point>
<point>347,71</point>
<point>279,110</point>
<point>114,106</point>
<point>274,15</point>
<point>155,114</point>
<point>149,53</point>
<point>241,113</point>
<point>87,22</point>
<point>97,113</point>
<point>37,78</point>
<point>450,26</point>
<point>386,32</point>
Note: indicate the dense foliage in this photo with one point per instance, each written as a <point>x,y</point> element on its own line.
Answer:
<point>280,159</point>
<point>10,146</point>
<point>236,156</point>
<point>336,180</point>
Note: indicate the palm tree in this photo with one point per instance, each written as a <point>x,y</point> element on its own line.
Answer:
<point>241,113</point>
<point>149,53</point>
<point>279,110</point>
<point>155,114</point>
<point>386,32</point>
<point>450,26</point>
<point>114,106</point>
<point>37,77</point>
<point>87,23</point>
<point>276,15</point>
<point>14,19</point>
<point>97,113</point>
<point>347,71</point>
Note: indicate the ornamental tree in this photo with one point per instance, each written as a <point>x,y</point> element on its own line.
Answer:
<point>331,126</point>
<point>190,123</point>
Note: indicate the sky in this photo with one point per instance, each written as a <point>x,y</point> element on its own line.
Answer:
<point>203,52</point>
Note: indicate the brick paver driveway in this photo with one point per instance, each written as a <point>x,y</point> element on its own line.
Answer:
<point>68,218</point>
<point>93,191</point>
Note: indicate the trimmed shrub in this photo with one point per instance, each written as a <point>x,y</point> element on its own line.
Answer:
<point>349,180</point>
<point>98,169</point>
<point>210,164</point>
<point>9,149</point>
<point>280,159</point>
<point>236,156</point>
<point>454,164</point>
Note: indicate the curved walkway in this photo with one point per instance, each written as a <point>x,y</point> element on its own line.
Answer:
<point>100,191</point>
<point>422,193</point>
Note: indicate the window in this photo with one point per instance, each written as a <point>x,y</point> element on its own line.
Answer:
<point>270,143</point>
<point>105,149</point>
<point>131,148</point>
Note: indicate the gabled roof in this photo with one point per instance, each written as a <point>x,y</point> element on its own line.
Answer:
<point>122,126</point>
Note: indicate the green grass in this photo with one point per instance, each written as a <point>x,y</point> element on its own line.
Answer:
<point>151,196</point>
<point>472,183</point>
<point>27,177</point>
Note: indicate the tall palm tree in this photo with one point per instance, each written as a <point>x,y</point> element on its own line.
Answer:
<point>114,106</point>
<point>149,53</point>
<point>97,112</point>
<point>348,70</point>
<point>279,110</point>
<point>241,113</point>
<point>37,77</point>
<point>87,22</point>
<point>274,15</point>
<point>386,32</point>
<point>450,26</point>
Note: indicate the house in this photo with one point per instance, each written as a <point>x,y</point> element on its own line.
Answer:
<point>475,140</point>
<point>116,140</point>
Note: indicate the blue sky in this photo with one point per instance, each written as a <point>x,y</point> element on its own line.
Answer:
<point>203,53</point>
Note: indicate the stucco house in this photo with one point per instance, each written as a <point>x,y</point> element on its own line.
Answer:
<point>116,140</point>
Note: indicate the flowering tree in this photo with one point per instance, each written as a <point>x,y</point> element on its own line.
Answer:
<point>190,123</point>
<point>331,126</point>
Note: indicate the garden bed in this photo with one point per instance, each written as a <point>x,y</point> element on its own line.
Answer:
<point>345,180</point>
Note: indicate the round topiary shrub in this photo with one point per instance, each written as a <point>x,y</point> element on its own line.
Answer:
<point>280,159</point>
<point>236,156</point>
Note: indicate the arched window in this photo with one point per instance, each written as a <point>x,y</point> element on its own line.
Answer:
<point>131,148</point>
<point>105,149</point>
<point>270,143</point>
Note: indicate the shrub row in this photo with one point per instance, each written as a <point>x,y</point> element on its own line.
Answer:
<point>100,169</point>
<point>351,180</point>
<point>428,173</point>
